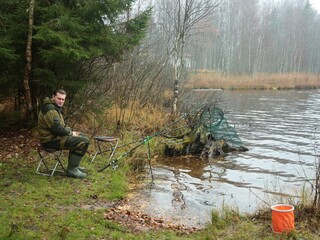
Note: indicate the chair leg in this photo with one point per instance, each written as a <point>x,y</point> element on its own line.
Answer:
<point>39,166</point>
<point>58,158</point>
<point>43,154</point>
<point>94,156</point>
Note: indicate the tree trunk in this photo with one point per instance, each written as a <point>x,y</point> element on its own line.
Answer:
<point>27,70</point>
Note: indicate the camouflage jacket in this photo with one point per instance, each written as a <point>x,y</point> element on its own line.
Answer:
<point>51,123</point>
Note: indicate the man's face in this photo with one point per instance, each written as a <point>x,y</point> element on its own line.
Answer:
<point>59,99</point>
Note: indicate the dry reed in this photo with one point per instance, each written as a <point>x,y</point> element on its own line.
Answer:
<point>210,79</point>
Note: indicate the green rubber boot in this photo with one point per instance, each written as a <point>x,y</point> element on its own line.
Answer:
<point>83,169</point>
<point>73,167</point>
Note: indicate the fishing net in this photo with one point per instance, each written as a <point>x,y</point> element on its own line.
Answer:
<point>214,124</point>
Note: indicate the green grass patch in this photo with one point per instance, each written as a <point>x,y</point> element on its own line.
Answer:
<point>39,207</point>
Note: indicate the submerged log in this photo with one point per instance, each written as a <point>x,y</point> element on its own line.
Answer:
<point>219,148</point>
<point>209,135</point>
<point>210,149</point>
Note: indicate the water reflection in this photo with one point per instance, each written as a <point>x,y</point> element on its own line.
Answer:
<point>191,165</point>
<point>278,127</point>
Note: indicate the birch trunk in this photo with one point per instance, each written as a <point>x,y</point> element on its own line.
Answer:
<point>27,70</point>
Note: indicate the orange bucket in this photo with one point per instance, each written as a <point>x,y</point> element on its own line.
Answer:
<point>282,218</point>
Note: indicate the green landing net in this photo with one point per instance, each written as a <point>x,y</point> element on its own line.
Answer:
<point>213,123</point>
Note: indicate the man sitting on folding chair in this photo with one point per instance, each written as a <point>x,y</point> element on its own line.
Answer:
<point>54,134</point>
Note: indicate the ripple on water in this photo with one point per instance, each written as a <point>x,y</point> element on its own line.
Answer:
<point>279,129</point>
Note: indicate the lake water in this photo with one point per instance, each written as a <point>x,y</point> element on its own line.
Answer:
<point>279,128</point>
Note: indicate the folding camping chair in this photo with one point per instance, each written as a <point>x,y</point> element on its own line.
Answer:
<point>48,158</point>
<point>105,144</point>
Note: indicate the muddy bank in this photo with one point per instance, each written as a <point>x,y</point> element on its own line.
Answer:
<point>174,196</point>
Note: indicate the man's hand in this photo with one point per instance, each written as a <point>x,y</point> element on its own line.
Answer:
<point>75,134</point>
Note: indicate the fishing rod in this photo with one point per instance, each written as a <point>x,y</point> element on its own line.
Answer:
<point>141,142</point>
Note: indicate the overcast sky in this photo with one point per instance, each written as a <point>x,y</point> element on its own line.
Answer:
<point>316,4</point>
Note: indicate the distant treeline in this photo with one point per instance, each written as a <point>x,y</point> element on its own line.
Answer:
<point>248,36</point>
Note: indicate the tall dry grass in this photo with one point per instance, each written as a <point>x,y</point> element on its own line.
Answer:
<point>211,79</point>
<point>138,123</point>
<point>145,119</point>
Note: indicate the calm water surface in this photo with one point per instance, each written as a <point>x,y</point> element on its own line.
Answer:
<point>279,128</point>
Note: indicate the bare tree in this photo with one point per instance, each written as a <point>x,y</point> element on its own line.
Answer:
<point>250,36</point>
<point>178,19</point>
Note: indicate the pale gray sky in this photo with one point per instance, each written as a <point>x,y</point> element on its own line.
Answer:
<point>316,4</point>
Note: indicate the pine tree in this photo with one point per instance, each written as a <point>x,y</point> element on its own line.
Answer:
<point>68,37</point>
